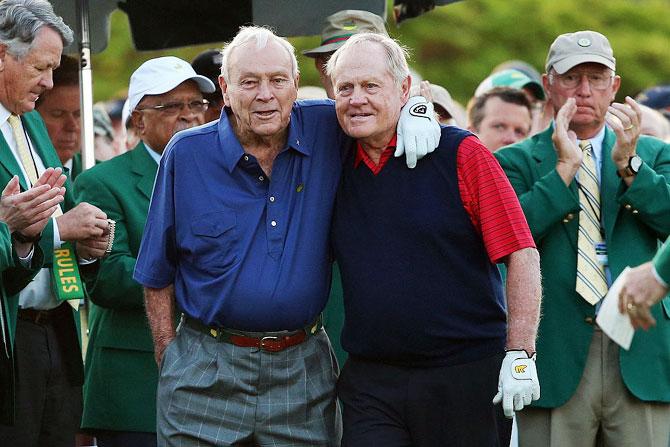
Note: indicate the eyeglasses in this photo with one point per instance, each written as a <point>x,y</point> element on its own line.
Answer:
<point>173,108</point>
<point>597,81</point>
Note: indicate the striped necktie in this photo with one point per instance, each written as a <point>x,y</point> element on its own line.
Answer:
<point>591,282</point>
<point>24,153</point>
<point>23,149</point>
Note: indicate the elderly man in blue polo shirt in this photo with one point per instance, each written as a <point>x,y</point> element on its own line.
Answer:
<point>237,235</point>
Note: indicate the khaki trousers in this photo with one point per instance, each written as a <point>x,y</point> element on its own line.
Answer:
<point>602,412</point>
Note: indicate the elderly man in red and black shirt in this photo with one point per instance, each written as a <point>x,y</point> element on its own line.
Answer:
<point>425,324</point>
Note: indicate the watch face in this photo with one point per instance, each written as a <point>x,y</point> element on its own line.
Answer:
<point>635,163</point>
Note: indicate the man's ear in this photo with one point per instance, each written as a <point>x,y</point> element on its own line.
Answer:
<point>616,83</point>
<point>224,90</point>
<point>405,87</point>
<point>138,121</point>
<point>546,85</point>
<point>3,55</point>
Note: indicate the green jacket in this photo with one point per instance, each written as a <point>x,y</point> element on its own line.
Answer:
<point>635,219</point>
<point>77,166</point>
<point>13,284</point>
<point>120,373</point>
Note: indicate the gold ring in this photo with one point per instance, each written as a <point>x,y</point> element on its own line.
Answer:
<point>629,127</point>
<point>631,308</point>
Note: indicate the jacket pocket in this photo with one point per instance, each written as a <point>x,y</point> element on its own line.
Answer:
<point>215,239</point>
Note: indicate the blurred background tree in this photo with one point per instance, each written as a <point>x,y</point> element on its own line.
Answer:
<point>456,46</point>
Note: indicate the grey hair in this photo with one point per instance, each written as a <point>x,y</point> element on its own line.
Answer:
<point>261,35</point>
<point>20,20</point>
<point>396,54</point>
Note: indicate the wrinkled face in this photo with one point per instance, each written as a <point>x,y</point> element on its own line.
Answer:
<point>23,80</point>
<point>261,89</point>
<point>368,98</point>
<point>156,127</point>
<point>320,63</point>
<point>60,110</point>
<point>592,102</point>
<point>504,123</point>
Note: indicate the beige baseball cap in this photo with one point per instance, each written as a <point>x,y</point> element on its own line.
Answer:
<point>571,49</point>
<point>344,24</point>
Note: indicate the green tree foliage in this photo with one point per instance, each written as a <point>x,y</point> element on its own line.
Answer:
<point>456,46</point>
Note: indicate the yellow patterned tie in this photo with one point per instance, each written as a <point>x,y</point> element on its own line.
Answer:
<point>591,282</point>
<point>22,147</point>
<point>24,153</point>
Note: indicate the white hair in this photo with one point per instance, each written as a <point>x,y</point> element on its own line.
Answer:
<point>20,20</point>
<point>396,54</point>
<point>261,35</point>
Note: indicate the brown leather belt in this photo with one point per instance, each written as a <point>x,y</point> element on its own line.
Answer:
<point>43,317</point>
<point>270,341</point>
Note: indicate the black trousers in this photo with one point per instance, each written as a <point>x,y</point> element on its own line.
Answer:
<point>395,406</point>
<point>48,386</point>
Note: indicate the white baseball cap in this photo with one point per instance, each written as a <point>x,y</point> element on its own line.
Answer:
<point>160,75</point>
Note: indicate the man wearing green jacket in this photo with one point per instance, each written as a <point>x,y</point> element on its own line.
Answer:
<point>121,376</point>
<point>596,195</point>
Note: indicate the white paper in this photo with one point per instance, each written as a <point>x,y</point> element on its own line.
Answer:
<point>616,325</point>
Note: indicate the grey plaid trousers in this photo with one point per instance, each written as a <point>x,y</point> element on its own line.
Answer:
<point>212,393</point>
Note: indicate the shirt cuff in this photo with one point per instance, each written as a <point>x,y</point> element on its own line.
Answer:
<point>25,261</point>
<point>658,277</point>
<point>57,241</point>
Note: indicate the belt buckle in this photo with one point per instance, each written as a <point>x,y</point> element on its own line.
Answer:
<point>270,347</point>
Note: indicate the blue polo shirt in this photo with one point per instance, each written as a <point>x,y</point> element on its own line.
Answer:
<point>245,251</point>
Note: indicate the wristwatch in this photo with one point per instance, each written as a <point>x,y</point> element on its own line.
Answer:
<point>17,236</point>
<point>634,165</point>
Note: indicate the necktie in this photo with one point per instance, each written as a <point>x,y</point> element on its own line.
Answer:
<point>22,147</point>
<point>24,152</point>
<point>591,282</point>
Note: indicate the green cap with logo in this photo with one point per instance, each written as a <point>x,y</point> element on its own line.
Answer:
<point>344,24</point>
<point>572,49</point>
<point>511,78</point>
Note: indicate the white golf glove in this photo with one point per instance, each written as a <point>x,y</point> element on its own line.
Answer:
<point>418,130</point>
<point>518,384</point>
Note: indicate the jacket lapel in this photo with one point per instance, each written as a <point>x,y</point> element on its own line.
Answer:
<point>609,184</point>
<point>40,140</point>
<point>9,163</point>
<point>145,168</point>
<point>544,154</point>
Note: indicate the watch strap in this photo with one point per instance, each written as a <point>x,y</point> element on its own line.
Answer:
<point>628,170</point>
